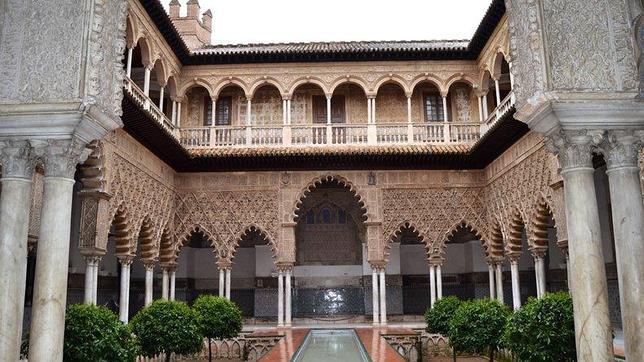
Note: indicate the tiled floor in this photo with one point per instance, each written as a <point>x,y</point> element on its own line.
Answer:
<point>376,346</point>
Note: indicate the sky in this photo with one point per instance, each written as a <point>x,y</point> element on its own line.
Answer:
<point>275,21</point>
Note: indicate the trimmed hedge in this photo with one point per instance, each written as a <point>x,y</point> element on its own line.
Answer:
<point>437,318</point>
<point>218,318</point>
<point>94,333</point>
<point>167,327</point>
<point>477,326</point>
<point>543,329</point>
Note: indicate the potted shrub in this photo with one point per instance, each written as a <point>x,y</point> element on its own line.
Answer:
<point>477,326</point>
<point>167,327</point>
<point>543,329</point>
<point>218,318</point>
<point>94,333</point>
<point>438,318</point>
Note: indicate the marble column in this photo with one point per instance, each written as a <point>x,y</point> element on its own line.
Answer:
<point>164,283</point>
<point>516,290</point>
<point>149,279</point>
<point>328,109</point>
<point>490,270</point>
<point>375,295</point>
<point>50,285</point>
<point>499,282</point>
<point>432,285</point>
<point>173,274</point>
<point>222,276</point>
<point>128,69</point>
<point>287,298</point>
<point>15,202</point>
<point>280,298</point>
<point>445,115</point>
<point>369,117</point>
<point>540,273</point>
<point>481,119</point>
<point>228,283</point>
<point>91,277</point>
<point>498,92</point>
<point>439,282</point>
<point>213,114</point>
<point>383,297</point>
<point>373,110</point>
<point>588,275</point>
<point>146,81</point>
<point>485,111</point>
<point>621,153</point>
<point>249,108</point>
<point>124,289</point>
<point>161,98</point>
<point>95,280</point>
<point>409,120</point>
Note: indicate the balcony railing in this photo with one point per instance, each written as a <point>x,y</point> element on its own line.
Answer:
<point>147,104</point>
<point>499,112</point>
<point>322,134</point>
<point>326,135</point>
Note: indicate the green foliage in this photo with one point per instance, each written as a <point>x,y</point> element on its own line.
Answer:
<point>543,330</point>
<point>167,327</point>
<point>94,333</point>
<point>437,318</point>
<point>218,317</point>
<point>477,326</point>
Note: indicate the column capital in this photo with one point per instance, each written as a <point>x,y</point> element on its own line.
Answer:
<point>149,264</point>
<point>168,267</point>
<point>538,253</point>
<point>125,260</point>
<point>18,159</point>
<point>60,157</point>
<point>93,259</point>
<point>284,266</point>
<point>574,148</point>
<point>621,149</point>
<point>378,264</point>
<point>513,257</point>
<point>224,263</point>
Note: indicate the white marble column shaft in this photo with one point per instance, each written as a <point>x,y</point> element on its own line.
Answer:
<point>490,270</point>
<point>124,290</point>
<point>383,298</point>
<point>128,69</point>
<point>628,225</point>
<point>439,282</point>
<point>173,275</point>
<point>89,280</point>
<point>222,276</point>
<point>95,282</point>
<point>164,284</point>
<point>328,110</point>
<point>280,298</point>
<point>287,298</point>
<point>146,82</point>
<point>588,275</point>
<point>50,284</point>
<point>15,202</point>
<point>149,277</point>
<point>228,283</point>
<point>432,285</point>
<point>409,120</point>
<point>499,282</point>
<point>498,92</point>
<point>375,296</point>
<point>485,111</point>
<point>516,290</point>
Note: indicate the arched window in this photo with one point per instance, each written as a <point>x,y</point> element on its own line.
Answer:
<point>342,217</point>
<point>326,216</point>
<point>310,217</point>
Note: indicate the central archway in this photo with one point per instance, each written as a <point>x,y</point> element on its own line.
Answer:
<point>330,250</point>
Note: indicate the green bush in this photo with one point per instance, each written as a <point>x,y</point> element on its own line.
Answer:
<point>218,318</point>
<point>94,333</point>
<point>167,327</point>
<point>477,326</point>
<point>543,330</point>
<point>437,318</point>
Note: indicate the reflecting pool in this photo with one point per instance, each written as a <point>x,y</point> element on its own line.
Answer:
<point>342,345</point>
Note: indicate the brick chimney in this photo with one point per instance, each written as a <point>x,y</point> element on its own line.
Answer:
<point>175,6</point>
<point>193,9</point>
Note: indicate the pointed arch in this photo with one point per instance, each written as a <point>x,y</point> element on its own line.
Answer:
<point>396,233</point>
<point>391,79</point>
<point>172,86</point>
<point>539,224</point>
<point>121,231</point>
<point>343,182</point>
<point>214,94</point>
<point>145,240</point>
<point>497,60</point>
<point>494,245</point>
<point>168,251</point>
<point>131,31</point>
<point>271,242</point>
<point>263,82</point>
<point>307,80</point>
<point>183,237</point>
<point>161,70</point>
<point>466,225</point>
<point>195,82</point>
<point>515,230</point>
